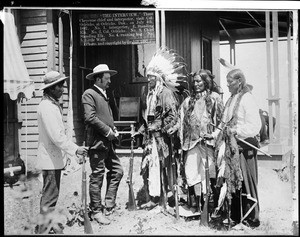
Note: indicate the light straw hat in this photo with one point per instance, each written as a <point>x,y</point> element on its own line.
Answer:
<point>101,68</point>
<point>51,78</point>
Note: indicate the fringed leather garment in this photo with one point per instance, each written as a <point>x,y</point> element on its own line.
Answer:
<point>233,173</point>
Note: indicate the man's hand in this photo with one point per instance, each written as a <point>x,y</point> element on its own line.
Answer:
<point>81,153</point>
<point>116,133</point>
<point>232,131</point>
<point>82,150</point>
<point>135,134</point>
<point>112,135</point>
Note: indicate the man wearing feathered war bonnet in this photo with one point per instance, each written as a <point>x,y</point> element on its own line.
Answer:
<point>159,116</point>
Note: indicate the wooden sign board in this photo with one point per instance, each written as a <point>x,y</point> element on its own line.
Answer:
<point>117,28</point>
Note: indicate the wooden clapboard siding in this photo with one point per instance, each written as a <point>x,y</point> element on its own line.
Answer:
<point>29,130</point>
<point>35,35</point>
<point>28,115</point>
<point>34,100</point>
<point>30,122</point>
<point>37,71</point>
<point>34,48</point>
<point>33,28</point>
<point>30,138</point>
<point>29,152</point>
<point>34,43</point>
<point>35,57</point>
<point>29,107</point>
<point>30,145</point>
<point>36,64</point>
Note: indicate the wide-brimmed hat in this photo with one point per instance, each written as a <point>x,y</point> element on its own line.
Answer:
<point>101,68</point>
<point>51,78</point>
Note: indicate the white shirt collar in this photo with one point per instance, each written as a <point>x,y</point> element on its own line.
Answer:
<point>102,91</point>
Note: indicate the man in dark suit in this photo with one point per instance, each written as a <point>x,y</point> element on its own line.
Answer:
<point>100,136</point>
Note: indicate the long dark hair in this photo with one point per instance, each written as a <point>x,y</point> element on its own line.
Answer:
<point>209,85</point>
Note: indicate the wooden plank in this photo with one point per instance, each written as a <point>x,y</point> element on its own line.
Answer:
<point>30,130</point>
<point>29,115</point>
<point>29,145</point>
<point>33,13</point>
<point>29,123</point>
<point>38,85</point>
<point>34,43</point>
<point>29,152</point>
<point>34,20</point>
<point>36,64</point>
<point>35,57</point>
<point>29,108</point>
<point>36,78</point>
<point>30,158</point>
<point>50,41</point>
<point>35,35</point>
<point>34,50</point>
<point>33,100</point>
<point>37,71</point>
<point>30,137</point>
<point>33,28</point>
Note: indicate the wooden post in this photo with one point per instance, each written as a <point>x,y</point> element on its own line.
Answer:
<point>276,76</point>
<point>157,30</point>
<point>163,29</point>
<point>50,42</point>
<point>232,51</point>
<point>289,61</point>
<point>195,35</point>
<point>295,151</point>
<point>60,43</point>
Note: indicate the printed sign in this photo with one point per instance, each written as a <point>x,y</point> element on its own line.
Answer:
<point>117,28</point>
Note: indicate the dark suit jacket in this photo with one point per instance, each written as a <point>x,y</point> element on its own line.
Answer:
<point>98,118</point>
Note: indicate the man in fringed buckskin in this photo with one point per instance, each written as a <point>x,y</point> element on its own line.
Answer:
<point>159,116</point>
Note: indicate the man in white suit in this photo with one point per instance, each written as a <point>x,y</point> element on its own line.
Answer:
<point>52,141</point>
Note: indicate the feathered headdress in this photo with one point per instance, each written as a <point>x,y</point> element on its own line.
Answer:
<point>168,66</point>
<point>226,64</point>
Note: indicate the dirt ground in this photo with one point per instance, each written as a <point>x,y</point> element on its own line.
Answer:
<point>275,197</point>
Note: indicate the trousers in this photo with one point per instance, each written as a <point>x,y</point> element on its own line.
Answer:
<point>50,191</point>
<point>99,160</point>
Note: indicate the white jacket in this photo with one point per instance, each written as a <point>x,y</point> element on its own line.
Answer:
<point>52,137</point>
<point>248,118</point>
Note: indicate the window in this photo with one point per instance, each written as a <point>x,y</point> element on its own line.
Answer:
<point>206,54</point>
<point>141,56</point>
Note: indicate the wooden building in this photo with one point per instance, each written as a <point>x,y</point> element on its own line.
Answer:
<point>53,39</point>
<point>44,36</point>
